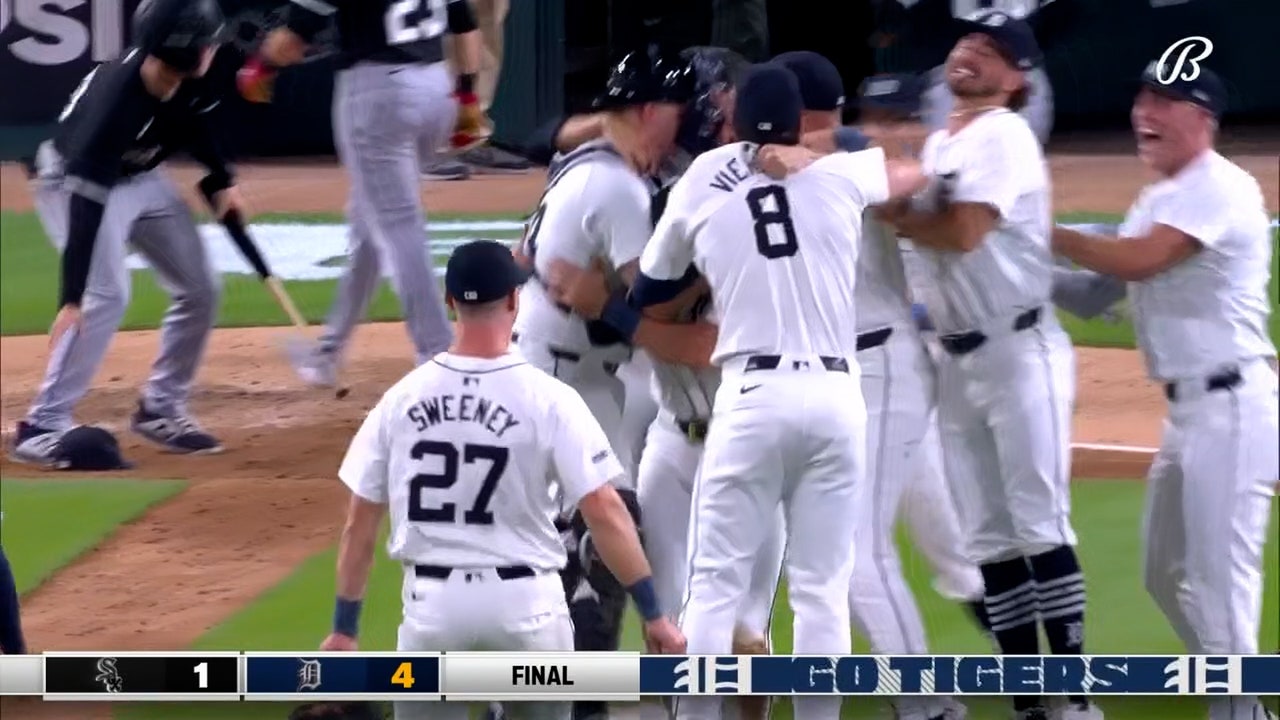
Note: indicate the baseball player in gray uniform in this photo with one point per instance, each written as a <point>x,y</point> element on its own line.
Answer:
<point>98,191</point>
<point>394,103</point>
<point>1195,251</point>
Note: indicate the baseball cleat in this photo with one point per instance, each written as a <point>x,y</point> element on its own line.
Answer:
<point>495,712</point>
<point>35,445</point>
<point>175,433</point>
<point>1035,713</point>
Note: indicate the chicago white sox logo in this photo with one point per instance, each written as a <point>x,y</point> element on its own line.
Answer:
<point>1185,46</point>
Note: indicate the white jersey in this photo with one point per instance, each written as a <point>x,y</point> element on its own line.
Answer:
<point>883,296</point>
<point>1210,310</point>
<point>687,393</point>
<point>466,451</point>
<point>995,160</point>
<point>594,207</point>
<point>779,256</point>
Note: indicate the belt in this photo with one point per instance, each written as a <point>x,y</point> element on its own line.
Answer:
<point>1224,380</point>
<point>440,572</point>
<point>874,339</point>
<point>965,343</point>
<point>694,430</point>
<point>556,353</point>
<point>771,362</point>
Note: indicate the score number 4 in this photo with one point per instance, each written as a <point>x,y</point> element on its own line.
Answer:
<point>403,676</point>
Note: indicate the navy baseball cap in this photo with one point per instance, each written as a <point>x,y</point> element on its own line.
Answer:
<point>1203,88</point>
<point>768,106</point>
<point>89,448</point>
<point>1013,36</point>
<point>820,85</point>
<point>895,92</point>
<point>482,271</point>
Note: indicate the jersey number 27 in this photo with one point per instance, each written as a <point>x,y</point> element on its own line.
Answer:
<point>448,453</point>
<point>771,217</point>
<point>410,21</point>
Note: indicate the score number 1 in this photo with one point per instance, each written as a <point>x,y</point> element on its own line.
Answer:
<point>202,675</point>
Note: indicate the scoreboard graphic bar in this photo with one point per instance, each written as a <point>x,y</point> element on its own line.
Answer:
<point>142,676</point>
<point>342,676</point>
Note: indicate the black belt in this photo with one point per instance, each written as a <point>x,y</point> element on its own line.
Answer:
<point>1225,380</point>
<point>694,430</point>
<point>771,362</point>
<point>874,339</point>
<point>965,343</point>
<point>440,572</point>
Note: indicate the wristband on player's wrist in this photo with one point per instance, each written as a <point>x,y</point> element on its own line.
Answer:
<point>466,83</point>
<point>850,139</point>
<point>346,616</point>
<point>618,314</point>
<point>646,599</point>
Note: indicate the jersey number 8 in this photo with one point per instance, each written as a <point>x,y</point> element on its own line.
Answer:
<point>771,216</point>
<point>448,453</point>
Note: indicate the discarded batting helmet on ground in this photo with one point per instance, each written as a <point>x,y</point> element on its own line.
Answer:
<point>338,711</point>
<point>89,448</point>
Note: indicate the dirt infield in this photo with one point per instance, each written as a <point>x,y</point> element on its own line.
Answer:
<point>272,499</point>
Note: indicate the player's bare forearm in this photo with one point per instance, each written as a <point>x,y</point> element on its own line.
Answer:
<point>958,228</point>
<point>615,536</point>
<point>687,344</point>
<point>468,53</point>
<point>1130,259</point>
<point>579,129</point>
<point>357,546</point>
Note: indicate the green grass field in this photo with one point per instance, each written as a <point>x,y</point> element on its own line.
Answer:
<point>47,524</point>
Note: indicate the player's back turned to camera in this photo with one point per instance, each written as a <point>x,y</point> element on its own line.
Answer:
<point>788,419</point>
<point>463,452</point>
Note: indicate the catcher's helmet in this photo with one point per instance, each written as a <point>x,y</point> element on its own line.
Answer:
<point>177,31</point>
<point>647,77</point>
<point>715,71</point>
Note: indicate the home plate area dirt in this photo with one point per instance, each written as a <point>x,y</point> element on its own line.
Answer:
<point>253,513</point>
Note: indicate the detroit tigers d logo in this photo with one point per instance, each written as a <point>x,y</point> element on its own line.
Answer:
<point>1166,73</point>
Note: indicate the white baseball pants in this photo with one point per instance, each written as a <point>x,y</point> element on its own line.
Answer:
<point>668,469</point>
<point>897,384</point>
<point>1209,497</point>
<point>795,434</point>
<point>638,407</point>
<point>476,610</point>
<point>1004,416</point>
<point>929,514</point>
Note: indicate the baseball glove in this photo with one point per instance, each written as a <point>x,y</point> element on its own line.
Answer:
<point>338,711</point>
<point>473,128</point>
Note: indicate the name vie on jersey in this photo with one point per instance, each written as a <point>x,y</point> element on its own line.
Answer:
<point>466,453</point>
<point>779,256</point>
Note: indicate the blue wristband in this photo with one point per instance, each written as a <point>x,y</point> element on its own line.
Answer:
<point>619,315</point>
<point>346,617</point>
<point>851,139</point>
<point>921,316</point>
<point>646,599</point>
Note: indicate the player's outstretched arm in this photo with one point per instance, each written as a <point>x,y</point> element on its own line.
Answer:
<point>355,559</point>
<point>1131,259</point>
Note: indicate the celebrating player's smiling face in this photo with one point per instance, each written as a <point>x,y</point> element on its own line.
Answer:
<point>1169,131</point>
<point>976,68</point>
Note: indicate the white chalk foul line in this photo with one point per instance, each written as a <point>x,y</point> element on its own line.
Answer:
<point>1106,447</point>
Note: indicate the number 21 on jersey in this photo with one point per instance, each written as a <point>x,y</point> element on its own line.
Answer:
<point>410,21</point>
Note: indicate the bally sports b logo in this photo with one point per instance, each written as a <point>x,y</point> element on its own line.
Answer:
<point>1186,65</point>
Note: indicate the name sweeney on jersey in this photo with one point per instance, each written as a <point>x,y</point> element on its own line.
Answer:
<point>464,408</point>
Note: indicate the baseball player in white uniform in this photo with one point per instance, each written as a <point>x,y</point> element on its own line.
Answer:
<point>897,386</point>
<point>1196,250</point>
<point>1007,378</point>
<point>788,419</point>
<point>464,451</point>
